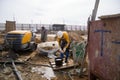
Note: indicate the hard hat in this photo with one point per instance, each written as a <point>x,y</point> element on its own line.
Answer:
<point>59,34</point>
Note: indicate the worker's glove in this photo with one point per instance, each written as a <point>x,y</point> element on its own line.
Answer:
<point>64,49</point>
<point>61,51</point>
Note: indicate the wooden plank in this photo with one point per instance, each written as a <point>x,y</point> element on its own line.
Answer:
<point>26,57</point>
<point>64,66</point>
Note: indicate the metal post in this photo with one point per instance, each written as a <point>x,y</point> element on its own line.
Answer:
<point>95,10</point>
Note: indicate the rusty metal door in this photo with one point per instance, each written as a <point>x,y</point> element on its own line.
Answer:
<point>104,49</point>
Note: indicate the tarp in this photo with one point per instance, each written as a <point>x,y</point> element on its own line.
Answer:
<point>78,50</point>
<point>48,48</point>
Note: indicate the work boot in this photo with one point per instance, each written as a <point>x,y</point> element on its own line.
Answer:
<point>66,60</point>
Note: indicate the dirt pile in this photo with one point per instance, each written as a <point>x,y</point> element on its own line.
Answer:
<point>2,38</point>
<point>76,36</point>
<point>50,37</point>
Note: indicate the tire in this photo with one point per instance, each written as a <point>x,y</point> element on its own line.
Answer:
<point>33,47</point>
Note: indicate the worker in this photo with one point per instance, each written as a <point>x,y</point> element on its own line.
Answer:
<point>64,42</point>
<point>43,34</point>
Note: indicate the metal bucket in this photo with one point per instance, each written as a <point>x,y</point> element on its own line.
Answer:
<point>58,61</point>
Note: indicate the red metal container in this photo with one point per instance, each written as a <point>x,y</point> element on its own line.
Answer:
<point>104,48</point>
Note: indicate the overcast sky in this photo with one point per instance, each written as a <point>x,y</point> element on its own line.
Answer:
<point>71,12</point>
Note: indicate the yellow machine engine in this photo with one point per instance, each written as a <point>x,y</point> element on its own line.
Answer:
<point>20,40</point>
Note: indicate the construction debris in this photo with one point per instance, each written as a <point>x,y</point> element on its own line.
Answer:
<point>34,65</point>
<point>70,64</point>
<point>17,73</point>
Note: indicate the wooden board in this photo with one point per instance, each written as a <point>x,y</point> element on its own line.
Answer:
<point>64,66</point>
<point>27,56</point>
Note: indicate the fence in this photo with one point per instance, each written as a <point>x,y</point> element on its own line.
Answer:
<point>47,26</point>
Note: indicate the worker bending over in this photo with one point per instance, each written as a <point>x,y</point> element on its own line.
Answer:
<point>64,42</point>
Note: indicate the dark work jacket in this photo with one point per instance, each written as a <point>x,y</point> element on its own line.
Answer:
<point>44,35</point>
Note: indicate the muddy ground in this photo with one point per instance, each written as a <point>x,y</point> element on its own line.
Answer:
<point>38,68</point>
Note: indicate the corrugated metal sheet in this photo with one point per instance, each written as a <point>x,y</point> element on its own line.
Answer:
<point>104,49</point>
<point>10,25</point>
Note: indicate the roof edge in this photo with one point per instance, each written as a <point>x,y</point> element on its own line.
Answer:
<point>109,16</point>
